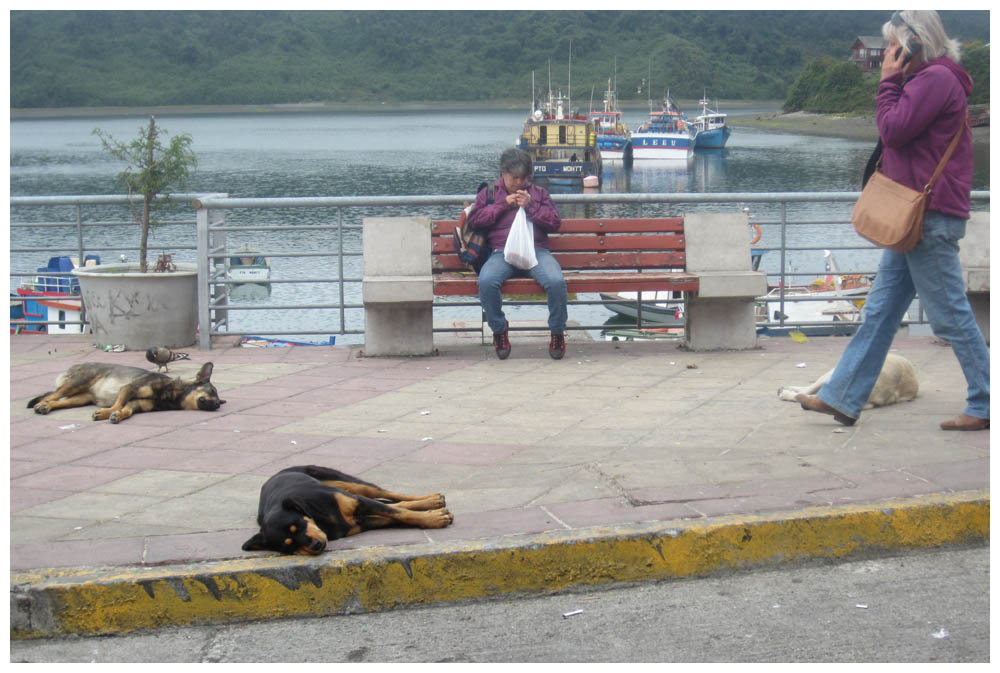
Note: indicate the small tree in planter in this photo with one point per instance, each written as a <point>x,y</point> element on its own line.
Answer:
<point>152,169</point>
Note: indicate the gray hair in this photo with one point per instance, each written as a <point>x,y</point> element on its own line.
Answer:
<point>516,162</point>
<point>926,24</point>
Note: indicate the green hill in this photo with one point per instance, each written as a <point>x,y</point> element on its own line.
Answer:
<point>114,58</point>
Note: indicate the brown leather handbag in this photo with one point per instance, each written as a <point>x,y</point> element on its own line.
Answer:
<point>891,215</point>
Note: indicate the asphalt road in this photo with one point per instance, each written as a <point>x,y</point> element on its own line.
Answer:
<point>929,606</point>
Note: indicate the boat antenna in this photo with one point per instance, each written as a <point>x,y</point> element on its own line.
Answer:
<point>531,111</point>
<point>550,82</point>
<point>591,98</point>
<point>649,84</point>
<point>614,74</point>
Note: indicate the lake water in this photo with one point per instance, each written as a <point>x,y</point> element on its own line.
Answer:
<point>398,153</point>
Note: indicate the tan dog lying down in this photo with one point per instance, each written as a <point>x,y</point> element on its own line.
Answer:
<point>897,382</point>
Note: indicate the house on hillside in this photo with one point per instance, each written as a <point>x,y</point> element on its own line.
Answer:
<point>867,52</point>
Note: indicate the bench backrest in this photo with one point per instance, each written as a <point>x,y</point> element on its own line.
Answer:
<point>590,244</point>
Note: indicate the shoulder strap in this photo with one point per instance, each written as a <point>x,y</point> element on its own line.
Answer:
<point>946,157</point>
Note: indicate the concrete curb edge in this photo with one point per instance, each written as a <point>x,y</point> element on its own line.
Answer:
<point>95,601</point>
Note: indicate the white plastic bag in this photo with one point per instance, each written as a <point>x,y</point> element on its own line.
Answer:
<point>520,248</point>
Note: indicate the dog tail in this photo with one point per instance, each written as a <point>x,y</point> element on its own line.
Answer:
<point>35,400</point>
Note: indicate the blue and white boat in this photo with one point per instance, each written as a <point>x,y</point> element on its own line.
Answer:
<point>53,295</point>
<point>614,138</point>
<point>712,129</point>
<point>667,134</point>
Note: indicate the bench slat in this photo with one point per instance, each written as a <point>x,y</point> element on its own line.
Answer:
<point>593,226</point>
<point>588,242</point>
<point>465,284</point>
<point>668,259</point>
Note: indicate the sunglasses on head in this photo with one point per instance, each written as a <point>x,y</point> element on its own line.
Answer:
<point>898,20</point>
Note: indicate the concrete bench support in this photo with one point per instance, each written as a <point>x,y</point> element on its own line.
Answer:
<point>397,289</point>
<point>974,253</point>
<point>720,315</point>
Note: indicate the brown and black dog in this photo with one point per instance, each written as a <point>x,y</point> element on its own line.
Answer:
<point>303,507</point>
<point>121,391</point>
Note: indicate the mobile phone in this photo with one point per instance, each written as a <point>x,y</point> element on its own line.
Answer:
<point>914,47</point>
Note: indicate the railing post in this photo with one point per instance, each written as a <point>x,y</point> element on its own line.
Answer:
<point>79,232</point>
<point>204,275</point>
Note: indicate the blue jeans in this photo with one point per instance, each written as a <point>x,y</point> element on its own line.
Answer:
<point>496,271</point>
<point>933,271</point>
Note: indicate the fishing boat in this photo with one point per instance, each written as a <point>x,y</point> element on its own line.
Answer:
<point>711,127</point>
<point>249,266</point>
<point>664,309</point>
<point>614,138</point>
<point>667,134</point>
<point>562,143</point>
<point>53,295</point>
<point>829,306</point>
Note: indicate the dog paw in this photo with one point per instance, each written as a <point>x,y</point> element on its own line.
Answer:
<point>437,501</point>
<point>439,518</point>
<point>101,414</point>
<point>42,408</point>
<point>114,417</point>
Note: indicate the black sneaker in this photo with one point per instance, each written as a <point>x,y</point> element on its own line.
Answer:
<point>501,343</point>
<point>557,346</point>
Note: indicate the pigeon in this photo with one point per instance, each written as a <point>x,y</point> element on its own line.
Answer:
<point>160,356</point>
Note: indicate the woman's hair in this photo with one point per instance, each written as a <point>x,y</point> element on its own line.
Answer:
<point>515,162</point>
<point>926,25</point>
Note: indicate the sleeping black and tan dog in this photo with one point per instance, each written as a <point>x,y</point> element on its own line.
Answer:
<point>303,507</point>
<point>121,391</point>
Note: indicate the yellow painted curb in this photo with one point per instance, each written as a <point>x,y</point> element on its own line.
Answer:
<point>118,600</point>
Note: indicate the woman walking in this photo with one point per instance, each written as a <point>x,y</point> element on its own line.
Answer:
<point>922,101</point>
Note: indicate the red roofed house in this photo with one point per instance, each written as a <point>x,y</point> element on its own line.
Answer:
<point>867,52</point>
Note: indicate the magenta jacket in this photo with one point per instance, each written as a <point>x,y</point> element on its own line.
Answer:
<point>497,217</point>
<point>917,121</point>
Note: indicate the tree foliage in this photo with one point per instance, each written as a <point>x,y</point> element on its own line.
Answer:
<point>142,58</point>
<point>153,169</point>
<point>976,60</point>
<point>827,85</point>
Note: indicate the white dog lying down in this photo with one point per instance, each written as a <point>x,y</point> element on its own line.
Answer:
<point>897,382</point>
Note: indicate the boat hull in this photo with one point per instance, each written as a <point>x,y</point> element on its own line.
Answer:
<point>714,139</point>
<point>662,146</point>
<point>565,172</point>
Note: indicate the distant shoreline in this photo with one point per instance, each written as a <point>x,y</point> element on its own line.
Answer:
<point>859,127</point>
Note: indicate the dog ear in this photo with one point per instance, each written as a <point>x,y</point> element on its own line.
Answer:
<point>256,543</point>
<point>205,373</point>
<point>295,505</point>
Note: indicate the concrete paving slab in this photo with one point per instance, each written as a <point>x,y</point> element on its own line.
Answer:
<point>623,461</point>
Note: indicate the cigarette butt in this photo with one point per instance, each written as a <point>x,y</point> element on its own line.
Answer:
<point>863,606</point>
<point>574,613</point>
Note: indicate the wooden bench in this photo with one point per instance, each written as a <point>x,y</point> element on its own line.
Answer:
<point>706,256</point>
<point>597,255</point>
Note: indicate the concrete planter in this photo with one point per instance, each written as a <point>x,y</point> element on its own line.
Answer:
<point>140,310</point>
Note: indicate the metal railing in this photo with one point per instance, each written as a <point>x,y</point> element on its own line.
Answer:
<point>218,218</point>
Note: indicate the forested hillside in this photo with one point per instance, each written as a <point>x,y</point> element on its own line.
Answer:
<point>113,58</point>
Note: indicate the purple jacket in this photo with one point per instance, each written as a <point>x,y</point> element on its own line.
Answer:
<point>497,217</point>
<point>917,121</point>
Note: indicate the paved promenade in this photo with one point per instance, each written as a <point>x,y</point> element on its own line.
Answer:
<point>620,462</point>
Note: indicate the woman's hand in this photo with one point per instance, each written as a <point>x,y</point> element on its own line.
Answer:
<point>522,198</point>
<point>894,60</point>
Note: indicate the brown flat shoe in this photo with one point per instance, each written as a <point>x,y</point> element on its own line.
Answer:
<point>813,403</point>
<point>966,422</point>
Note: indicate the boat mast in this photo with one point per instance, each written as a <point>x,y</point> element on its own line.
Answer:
<point>569,83</point>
